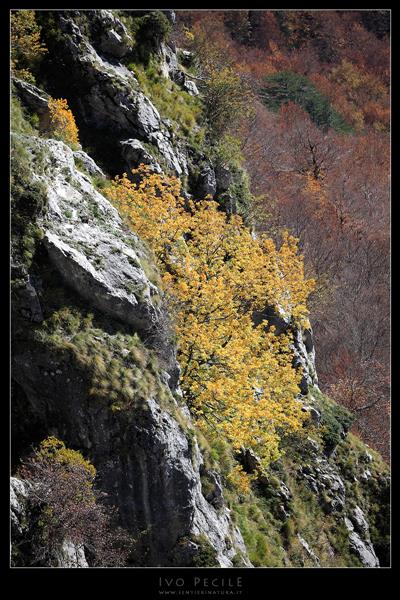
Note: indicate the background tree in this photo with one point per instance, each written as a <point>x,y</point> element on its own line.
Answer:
<point>330,190</point>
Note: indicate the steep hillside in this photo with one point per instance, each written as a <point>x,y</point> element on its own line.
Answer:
<point>315,138</point>
<point>180,458</point>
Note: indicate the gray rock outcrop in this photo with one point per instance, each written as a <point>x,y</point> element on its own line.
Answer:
<point>35,98</point>
<point>359,539</point>
<point>106,94</point>
<point>113,38</point>
<point>88,163</point>
<point>28,301</point>
<point>359,521</point>
<point>134,154</point>
<point>19,491</point>
<point>71,556</point>
<point>323,478</point>
<point>88,243</point>
<point>302,346</point>
<point>206,183</point>
<point>308,550</point>
<point>148,464</point>
<point>364,550</point>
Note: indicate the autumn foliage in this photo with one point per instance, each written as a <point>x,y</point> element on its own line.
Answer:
<point>327,184</point>
<point>26,46</point>
<point>62,122</point>
<point>237,378</point>
<point>66,506</point>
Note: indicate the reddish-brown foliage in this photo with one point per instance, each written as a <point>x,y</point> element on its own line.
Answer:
<point>330,190</point>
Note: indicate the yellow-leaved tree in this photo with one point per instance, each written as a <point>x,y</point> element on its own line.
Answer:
<point>62,122</point>
<point>237,378</point>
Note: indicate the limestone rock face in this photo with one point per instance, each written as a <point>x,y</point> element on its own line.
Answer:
<point>31,95</point>
<point>110,94</point>
<point>88,243</point>
<point>304,351</point>
<point>324,479</point>
<point>358,519</point>
<point>88,163</point>
<point>359,538</point>
<point>224,178</point>
<point>169,61</point>
<point>364,550</point>
<point>134,154</point>
<point>308,550</point>
<point>190,87</point>
<point>114,38</point>
<point>28,301</point>
<point>174,158</point>
<point>207,183</point>
<point>19,491</point>
<point>106,94</point>
<point>71,556</point>
<point>146,462</point>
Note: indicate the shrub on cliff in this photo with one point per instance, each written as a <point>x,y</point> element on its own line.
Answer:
<point>65,507</point>
<point>228,96</point>
<point>62,122</point>
<point>148,32</point>
<point>28,201</point>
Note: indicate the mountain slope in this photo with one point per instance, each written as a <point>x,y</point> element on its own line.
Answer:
<point>95,359</point>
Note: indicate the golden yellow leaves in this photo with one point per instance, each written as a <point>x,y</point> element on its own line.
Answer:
<point>55,449</point>
<point>62,121</point>
<point>237,378</point>
<point>153,209</point>
<point>240,480</point>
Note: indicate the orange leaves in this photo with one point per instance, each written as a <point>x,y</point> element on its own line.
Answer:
<point>237,378</point>
<point>62,122</point>
<point>365,92</point>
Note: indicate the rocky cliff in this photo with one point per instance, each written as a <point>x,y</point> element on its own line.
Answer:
<point>94,359</point>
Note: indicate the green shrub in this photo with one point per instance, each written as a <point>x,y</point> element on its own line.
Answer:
<point>28,201</point>
<point>206,555</point>
<point>289,531</point>
<point>181,108</point>
<point>21,120</point>
<point>227,151</point>
<point>336,420</point>
<point>147,31</point>
<point>240,191</point>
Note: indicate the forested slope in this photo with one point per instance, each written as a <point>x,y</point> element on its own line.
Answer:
<point>184,207</point>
